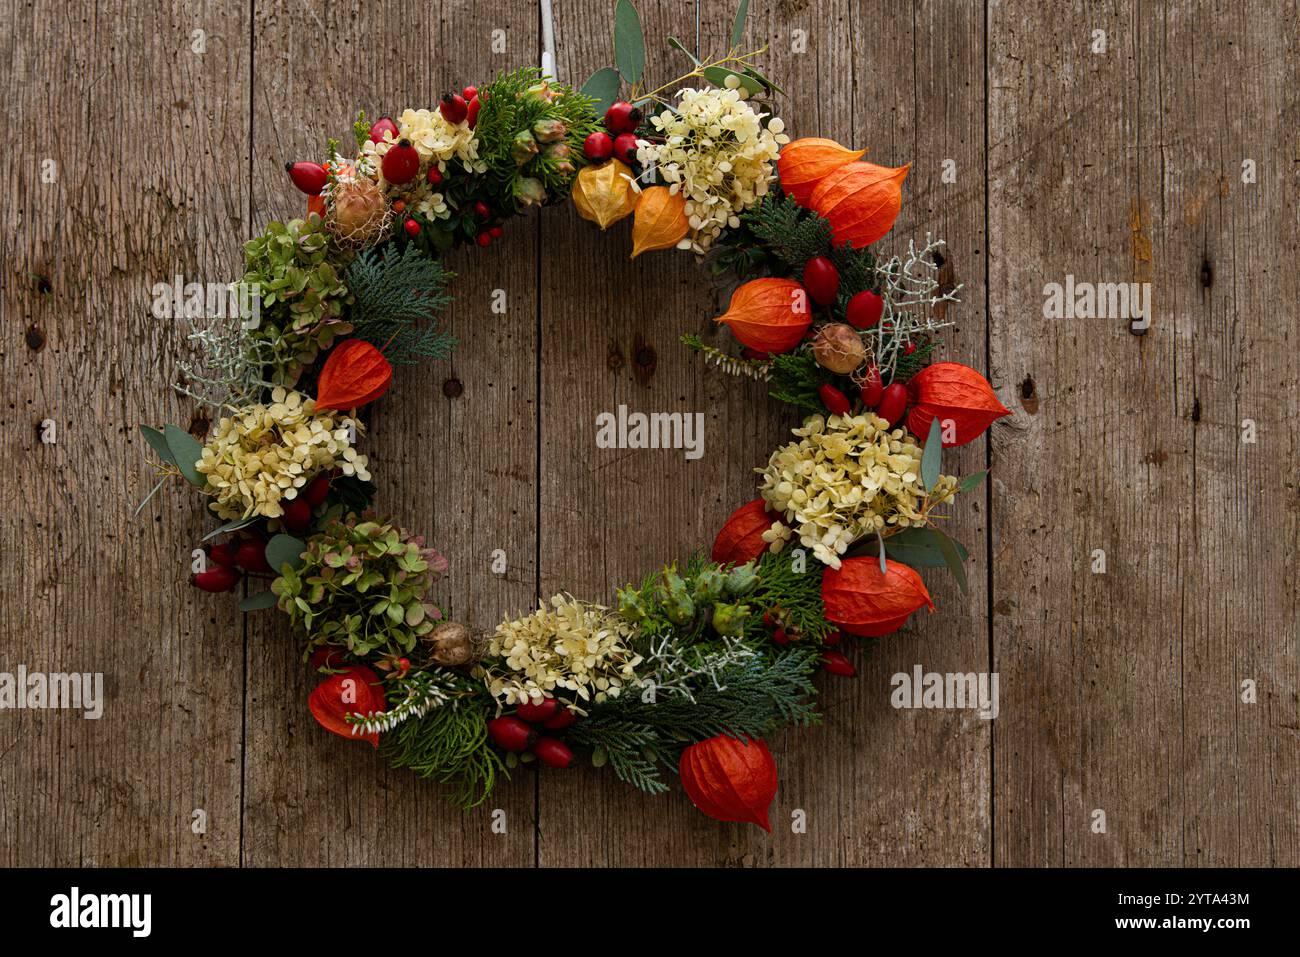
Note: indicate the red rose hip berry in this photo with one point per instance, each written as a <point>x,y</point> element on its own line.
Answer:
<point>893,403</point>
<point>834,400</point>
<point>560,720</point>
<point>308,177</point>
<point>216,579</point>
<point>553,753</point>
<point>623,117</point>
<point>598,147</point>
<point>511,734</point>
<point>872,387</point>
<point>625,148</point>
<point>822,280</point>
<point>453,108</point>
<point>864,310</point>
<point>538,711</point>
<point>297,515</point>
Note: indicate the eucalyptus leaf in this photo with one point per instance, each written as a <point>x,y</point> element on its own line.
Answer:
<point>971,482</point>
<point>717,75</point>
<point>629,42</point>
<point>263,599</point>
<point>956,562</point>
<point>932,457</point>
<point>603,86</point>
<point>232,526</point>
<point>677,44</point>
<point>185,451</point>
<point>158,443</point>
<point>919,548</point>
<point>738,25</point>
<point>750,71</point>
<point>284,550</point>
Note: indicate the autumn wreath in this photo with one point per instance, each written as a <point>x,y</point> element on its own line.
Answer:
<point>692,667</point>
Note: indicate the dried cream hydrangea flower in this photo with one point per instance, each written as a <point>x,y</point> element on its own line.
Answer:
<point>263,454</point>
<point>572,646</point>
<point>847,477</point>
<point>437,141</point>
<point>717,154</point>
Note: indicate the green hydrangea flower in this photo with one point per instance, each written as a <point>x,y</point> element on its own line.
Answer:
<point>362,586</point>
<point>304,297</point>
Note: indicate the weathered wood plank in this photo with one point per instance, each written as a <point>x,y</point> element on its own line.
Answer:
<point>1213,103</point>
<point>151,147</point>
<point>1121,689</point>
<point>460,469</point>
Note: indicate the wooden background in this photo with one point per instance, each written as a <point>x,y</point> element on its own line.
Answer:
<point>1120,692</point>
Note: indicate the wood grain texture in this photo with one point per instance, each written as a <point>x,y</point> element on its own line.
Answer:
<point>1121,692</point>
<point>1122,689</point>
<point>151,153</point>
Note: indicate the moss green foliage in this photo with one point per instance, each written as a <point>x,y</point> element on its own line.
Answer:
<point>398,295</point>
<point>303,294</point>
<point>449,745</point>
<point>362,586</point>
<point>530,135</point>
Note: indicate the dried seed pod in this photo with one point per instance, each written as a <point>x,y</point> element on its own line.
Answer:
<point>839,348</point>
<point>452,644</point>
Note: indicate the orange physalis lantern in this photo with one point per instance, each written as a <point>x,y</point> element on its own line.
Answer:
<point>741,537</point>
<point>354,692</point>
<point>963,400</point>
<point>770,315</point>
<point>660,221</point>
<point>355,373</point>
<point>860,201</point>
<point>730,780</point>
<point>861,599</point>
<point>806,161</point>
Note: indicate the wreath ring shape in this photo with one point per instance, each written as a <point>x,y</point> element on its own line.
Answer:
<point>691,668</point>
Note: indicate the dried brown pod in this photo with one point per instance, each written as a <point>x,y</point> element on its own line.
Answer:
<point>452,644</point>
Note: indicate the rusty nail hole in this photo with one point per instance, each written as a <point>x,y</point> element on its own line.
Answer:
<point>1207,274</point>
<point>645,357</point>
<point>452,388</point>
<point>1027,388</point>
<point>35,339</point>
<point>939,259</point>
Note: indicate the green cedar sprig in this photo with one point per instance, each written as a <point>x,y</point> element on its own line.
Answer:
<point>795,378</point>
<point>754,699</point>
<point>449,745</point>
<point>513,105</point>
<point>398,296</point>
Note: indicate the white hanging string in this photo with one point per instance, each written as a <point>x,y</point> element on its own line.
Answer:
<point>548,41</point>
